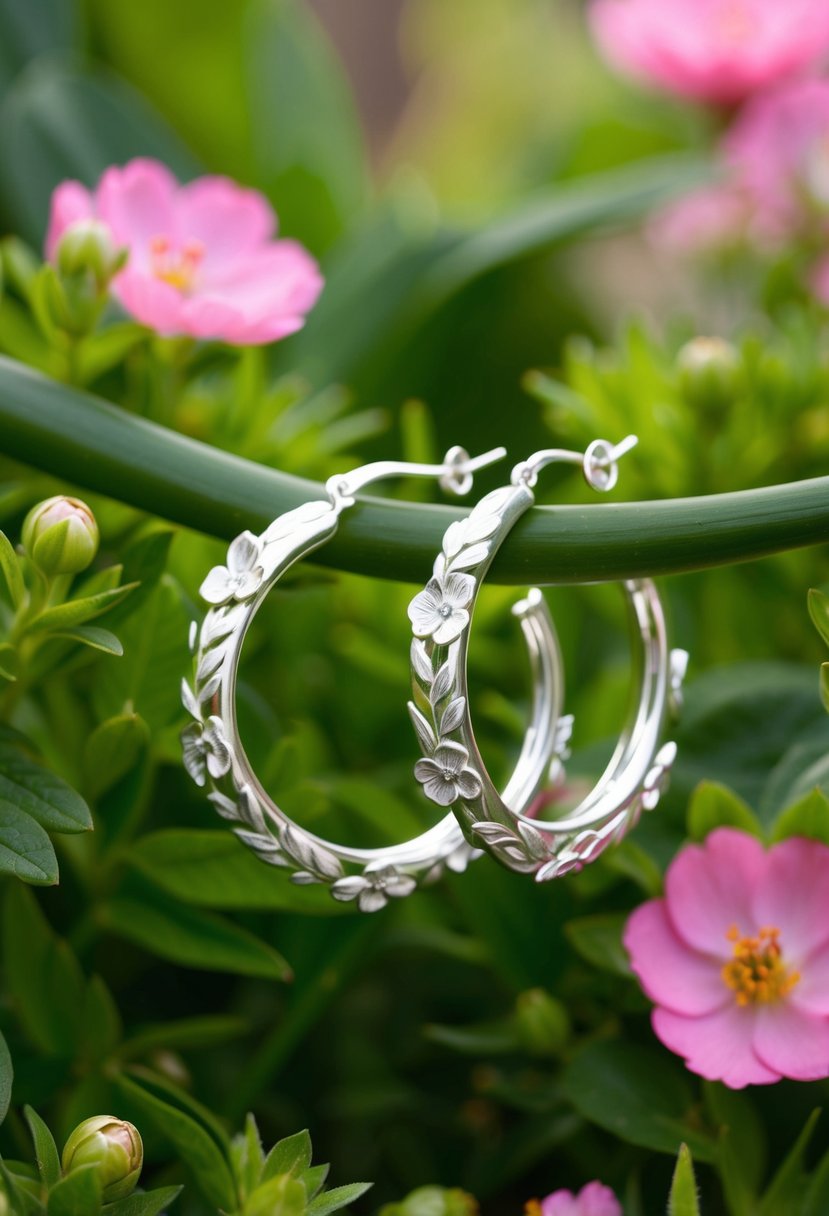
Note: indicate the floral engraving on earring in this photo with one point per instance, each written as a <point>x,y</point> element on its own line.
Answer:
<point>241,577</point>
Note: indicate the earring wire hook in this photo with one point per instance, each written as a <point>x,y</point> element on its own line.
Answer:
<point>599,463</point>
<point>454,474</point>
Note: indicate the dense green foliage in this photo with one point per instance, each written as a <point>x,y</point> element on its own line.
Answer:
<point>485,1034</point>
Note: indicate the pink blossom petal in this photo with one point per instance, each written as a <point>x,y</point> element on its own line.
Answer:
<point>151,301</point>
<point>710,887</point>
<point>279,278</point>
<point>138,202</point>
<point>792,1042</point>
<point>594,1199</point>
<point>717,1046</point>
<point>794,897</point>
<point>670,973</point>
<point>560,1203</point>
<point>228,221</point>
<point>70,203</point>
<point>811,992</point>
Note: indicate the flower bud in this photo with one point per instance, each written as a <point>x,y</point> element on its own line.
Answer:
<point>114,1147</point>
<point>708,373</point>
<point>60,535</point>
<point>542,1022</point>
<point>87,247</point>
<point>433,1201</point>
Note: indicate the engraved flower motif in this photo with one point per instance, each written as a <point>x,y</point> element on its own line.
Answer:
<point>206,750</point>
<point>439,611</point>
<point>374,887</point>
<point>445,777</point>
<point>242,575</point>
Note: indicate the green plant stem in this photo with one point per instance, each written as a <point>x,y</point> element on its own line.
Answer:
<point>96,445</point>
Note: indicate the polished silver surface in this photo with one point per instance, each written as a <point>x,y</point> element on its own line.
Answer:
<point>453,772</point>
<point>214,753</point>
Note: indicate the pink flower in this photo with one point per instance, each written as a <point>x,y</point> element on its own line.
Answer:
<point>592,1200</point>
<point>775,162</point>
<point>711,50</point>
<point>202,258</point>
<point>736,958</point>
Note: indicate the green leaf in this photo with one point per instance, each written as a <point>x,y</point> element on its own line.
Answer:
<point>58,122</point>
<point>636,1093</point>
<point>787,1182</point>
<point>306,131</point>
<point>25,849</point>
<point>113,749</point>
<point>78,1194</point>
<point>23,1201</point>
<point>210,1168</point>
<point>213,869</point>
<point>824,685</point>
<point>338,1197</point>
<point>102,351</point>
<point>148,678</point>
<point>598,939</point>
<point>314,1178</point>
<point>683,1200</point>
<point>248,1157</point>
<point>76,612</point>
<point>146,1203</point>
<point>188,1033</point>
<point>290,1156</point>
<point>43,976</point>
<point>46,1151</point>
<point>809,817</point>
<point>6,1078</point>
<point>191,937</point>
<point>37,791</point>
<point>742,1146</point>
<point>94,637</point>
<point>715,806</point>
<point>819,612</point>
<point>282,1196</point>
<point>9,663</point>
<point>497,1037</point>
<point>816,1202</point>
<point>10,566</point>
<point>101,1022</point>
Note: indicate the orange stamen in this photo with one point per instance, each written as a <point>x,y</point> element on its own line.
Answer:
<point>757,974</point>
<point>178,268</point>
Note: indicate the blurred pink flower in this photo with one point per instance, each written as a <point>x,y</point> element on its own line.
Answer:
<point>592,1200</point>
<point>202,258</point>
<point>736,959</point>
<point>711,50</point>
<point>775,188</point>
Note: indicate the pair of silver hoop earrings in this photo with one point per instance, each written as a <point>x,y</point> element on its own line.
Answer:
<point>451,773</point>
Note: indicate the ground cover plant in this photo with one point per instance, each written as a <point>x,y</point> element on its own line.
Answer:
<point>248,244</point>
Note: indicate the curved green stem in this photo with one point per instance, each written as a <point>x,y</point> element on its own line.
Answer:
<point>96,445</point>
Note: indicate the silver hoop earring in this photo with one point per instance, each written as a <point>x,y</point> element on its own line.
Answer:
<point>639,767</point>
<point>214,754</point>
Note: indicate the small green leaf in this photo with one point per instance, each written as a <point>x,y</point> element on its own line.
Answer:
<point>289,1156</point>
<point>339,1197</point>
<point>192,938</point>
<point>248,1157</point>
<point>8,661</point>
<point>6,1078</point>
<point>25,849</point>
<point>77,612</point>
<point>742,1146</point>
<point>683,1199</point>
<point>816,1202</point>
<point>715,806</point>
<point>789,1174</point>
<point>78,1194</point>
<point>824,685</point>
<point>809,817</point>
<point>42,974</point>
<point>314,1179</point>
<point>497,1037</point>
<point>46,1151</point>
<point>10,566</point>
<point>598,939</point>
<point>189,1033</point>
<point>113,749</point>
<point>818,605</point>
<point>637,1093</point>
<point>282,1196</point>
<point>18,1189</point>
<point>38,791</point>
<point>198,1149</point>
<point>101,1022</point>
<point>145,1203</point>
<point>94,637</point>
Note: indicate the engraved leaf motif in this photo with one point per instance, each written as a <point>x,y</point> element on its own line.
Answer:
<point>209,660</point>
<point>470,557</point>
<point>424,732</point>
<point>189,701</point>
<point>443,682</point>
<point>421,662</point>
<point>453,716</point>
<point>309,855</point>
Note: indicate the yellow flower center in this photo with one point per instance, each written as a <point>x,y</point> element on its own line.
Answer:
<point>757,973</point>
<point>178,267</point>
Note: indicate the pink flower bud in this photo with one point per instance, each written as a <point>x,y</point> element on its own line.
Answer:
<point>60,535</point>
<point>114,1147</point>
